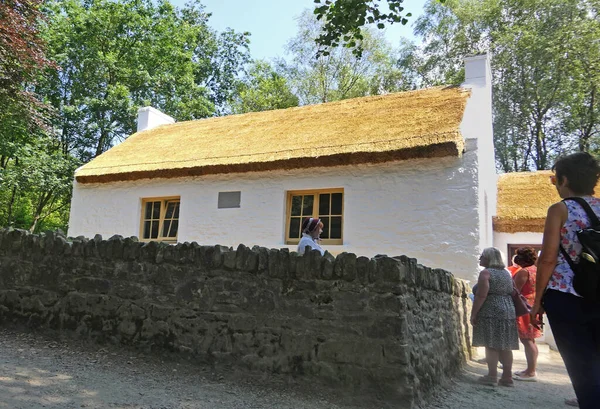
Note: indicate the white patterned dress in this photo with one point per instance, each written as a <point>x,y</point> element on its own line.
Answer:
<point>562,277</point>
<point>496,325</point>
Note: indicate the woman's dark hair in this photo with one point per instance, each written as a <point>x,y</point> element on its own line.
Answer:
<point>525,256</point>
<point>581,169</point>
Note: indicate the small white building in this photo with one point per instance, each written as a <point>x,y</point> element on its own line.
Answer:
<point>523,201</point>
<point>406,173</point>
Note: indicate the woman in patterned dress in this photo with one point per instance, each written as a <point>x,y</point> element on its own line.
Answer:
<point>575,321</point>
<point>493,318</point>
<point>524,278</point>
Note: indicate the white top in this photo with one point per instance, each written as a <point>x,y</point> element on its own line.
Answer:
<point>307,240</point>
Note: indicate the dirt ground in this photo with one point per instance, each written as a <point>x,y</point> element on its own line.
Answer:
<point>550,392</point>
<point>41,371</point>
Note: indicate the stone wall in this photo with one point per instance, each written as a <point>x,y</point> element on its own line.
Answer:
<point>384,324</point>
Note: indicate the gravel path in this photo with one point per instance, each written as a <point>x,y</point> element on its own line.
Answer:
<point>40,371</point>
<point>549,392</point>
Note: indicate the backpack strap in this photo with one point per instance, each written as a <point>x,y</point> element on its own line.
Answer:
<point>593,219</point>
<point>588,209</point>
<point>568,258</point>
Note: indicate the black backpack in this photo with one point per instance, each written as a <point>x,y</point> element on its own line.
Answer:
<point>586,280</point>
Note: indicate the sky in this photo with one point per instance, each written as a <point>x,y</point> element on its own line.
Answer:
<point>273,22</point>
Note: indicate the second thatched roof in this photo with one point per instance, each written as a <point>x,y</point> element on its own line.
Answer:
<point>422,123</point>
<point>523,201</point>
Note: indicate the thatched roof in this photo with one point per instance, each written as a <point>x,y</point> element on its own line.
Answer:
<point>422,123</point>
<point>523,201</point>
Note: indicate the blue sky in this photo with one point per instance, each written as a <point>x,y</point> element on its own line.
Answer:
<point>273,22</point>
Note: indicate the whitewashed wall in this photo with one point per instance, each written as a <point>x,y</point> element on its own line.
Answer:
<point>502,240</point>
<point>422,208</point>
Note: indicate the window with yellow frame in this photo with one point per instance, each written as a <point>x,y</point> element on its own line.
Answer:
<point>160,219</point>
<point>326,204</point>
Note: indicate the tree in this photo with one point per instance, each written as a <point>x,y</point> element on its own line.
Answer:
<point>23,117</point>
<point>263,89</point>
<point>21,58</point>
<point>112,57</point>
<point>345,20</point>
<point>116,56</point>
<point>543,95</point>
<point>581,107</point>
<point>339,74</point>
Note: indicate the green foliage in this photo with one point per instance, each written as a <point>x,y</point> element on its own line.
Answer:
<point>263,89</point>
<point>111,57</point>
<point>116,56</point>
<point>344,21</point>
<point>340,74</point>
<point>544,67</point>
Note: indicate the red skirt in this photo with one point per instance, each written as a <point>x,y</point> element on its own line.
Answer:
<point>526,330</point>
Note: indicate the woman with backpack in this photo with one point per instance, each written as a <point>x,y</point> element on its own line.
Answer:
<point>575,320</point>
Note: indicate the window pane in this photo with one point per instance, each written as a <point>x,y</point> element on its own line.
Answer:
<point>148,214</point>
<point>336,203</point>
<point>324,204</point>
<point>176,210</point>
<point>147,228</point>
<point>156,211</point>
<point>296,205</point>
<point>174,228</point>
<point>325,234</point>
<point>294,227</point>
<point>154,232</point>
<point>336,228</point>
<point>170,210</point>
<point>307,205</point>
<point>166,226</point>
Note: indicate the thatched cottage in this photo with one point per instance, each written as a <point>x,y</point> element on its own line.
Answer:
<point>405,173</point>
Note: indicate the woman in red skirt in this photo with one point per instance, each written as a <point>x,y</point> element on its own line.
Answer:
<point>524,277</point>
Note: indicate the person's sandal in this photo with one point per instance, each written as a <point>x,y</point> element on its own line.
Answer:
<point>488,381</point>
<point>525,378</point>
<point>572,402</point>
<point>506,382</point>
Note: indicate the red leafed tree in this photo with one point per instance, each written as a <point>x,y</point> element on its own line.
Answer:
<point>22,55</point>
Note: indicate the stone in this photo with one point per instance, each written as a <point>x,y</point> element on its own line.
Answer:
<point>386,323</point>
<point>345,266</point>
<point>362,269</point>
<point>92,285</point>
<point>229,259</point>
<point>218,255</point>
<point>328,266</point>
<point>127,328</point>
<point>263,258</point>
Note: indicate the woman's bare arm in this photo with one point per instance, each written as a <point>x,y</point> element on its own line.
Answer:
<point>521,278</point>
<point>483,287</point>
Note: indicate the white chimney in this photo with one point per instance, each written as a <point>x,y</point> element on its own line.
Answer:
<point>149,118</point>
<point>477,70</point>
<point>477,129</point>
<point>477,119</point>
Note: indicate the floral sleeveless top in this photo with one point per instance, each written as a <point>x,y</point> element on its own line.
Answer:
<point>562,278</point>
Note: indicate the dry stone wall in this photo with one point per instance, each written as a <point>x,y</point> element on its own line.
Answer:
<point>385,324</point>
